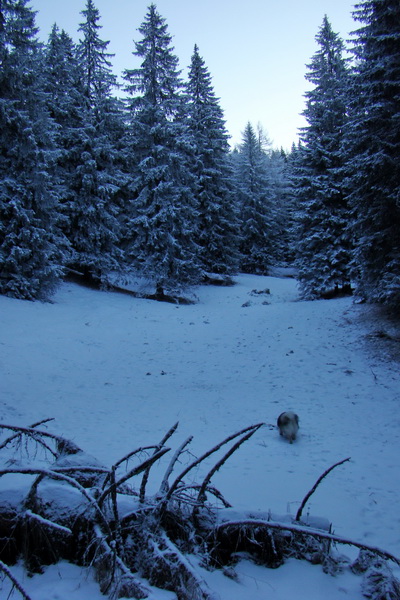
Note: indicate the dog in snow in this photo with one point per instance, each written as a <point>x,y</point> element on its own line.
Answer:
<point>288,425</point>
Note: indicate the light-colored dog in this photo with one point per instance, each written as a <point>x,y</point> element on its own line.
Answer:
<point>288,425</point>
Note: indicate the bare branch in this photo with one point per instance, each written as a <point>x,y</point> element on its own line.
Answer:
<point>210,489</point>
<point>47,523</point>
<point>4,569</point>
<point>175,458</point>
<point>219,464</point>
<point>204,456</point>
<point>36,435</point>
<point>252,523</point>
<point>135,471</point>
<point>130,454</point>
<point>126,577</point>
<point>17,435</point>
<point>145,478</point>
<point>310,493</point>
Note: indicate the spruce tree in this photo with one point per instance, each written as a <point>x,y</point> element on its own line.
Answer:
<point>211,166</point>
<point>374,151</point>
<point>98,78</point>
<point>323,251</point>
<point>254,197</point>
<point>31,244</point>
<point>92,187</point>
<point>283,201</point>
<point>160,239</point>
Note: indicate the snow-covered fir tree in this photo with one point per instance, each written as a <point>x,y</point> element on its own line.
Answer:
<point>160,236</point>
<point>64,98</point>
<point>211,166</point>
<point>31,244</point>
<point>89,138</point>
<point>255,204</point>
<point>323,249</point>
<point>374,151</point>
<point>283,203</point>
<point>98,78</point>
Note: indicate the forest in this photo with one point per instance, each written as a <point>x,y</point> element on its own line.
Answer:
<point>102,181</point>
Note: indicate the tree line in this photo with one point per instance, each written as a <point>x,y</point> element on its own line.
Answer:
<point>100,183</point>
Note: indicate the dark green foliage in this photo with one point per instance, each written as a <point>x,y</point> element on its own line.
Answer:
<point>31,245</point>
<point>162,219</point>
<point>80,82</point>
<point>323,247</point>
<point>211,166</point>
<point>374,151</point>
<point>254,197</point>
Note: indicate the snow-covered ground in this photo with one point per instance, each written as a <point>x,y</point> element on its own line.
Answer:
<point>116,372</point>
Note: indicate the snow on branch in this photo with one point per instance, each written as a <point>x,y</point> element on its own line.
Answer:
<point>121,533</point>
<point>47,523</point>
<point>253,523</point>
<point>4,569</point>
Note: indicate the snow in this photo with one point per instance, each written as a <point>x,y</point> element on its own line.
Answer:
<point>117,372</point>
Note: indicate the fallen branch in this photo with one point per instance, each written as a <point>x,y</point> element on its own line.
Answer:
<point>107,565</point>
<point>60,477</point>
<point>153,536</point>
<point>164,484</point>
<point>145,478</point>
<point>253,523</point>
<point>310,493</point>
<point>135,471</point>
<point>164,562</point>
<point>47,523</point>
<point>18,435</point>
<point>4,569</point>
<point>36,434</point>
<point>218,465</point>
<point>209,489</point>
<point>203,457</point>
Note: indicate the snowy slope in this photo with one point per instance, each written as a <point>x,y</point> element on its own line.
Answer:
<point>117,372</point>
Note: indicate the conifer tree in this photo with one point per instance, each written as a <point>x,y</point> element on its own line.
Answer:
<point>218,223</point>
<point>160,238</point>
<point>254,195</point>
<point>373,142</point>
<point>323,251</point>
<point>90,141</point>
<point>31,245</point>
<point>284,206</point>
<point>98,78</point>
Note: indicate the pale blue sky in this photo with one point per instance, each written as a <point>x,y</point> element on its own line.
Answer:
<point>255,50</point>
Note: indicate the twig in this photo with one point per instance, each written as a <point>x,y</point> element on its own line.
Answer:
<point>210,489</point>
<point>310,493</point>
<point>375,376</point>
<point>34,433</point>
<point>130,454</point>
<point>16,435</point>
<point>14,581</point>
<point>203,457</point>
<point>218,465</point>
<point>125,458</point>
<point>164,483</point>
<point>145,477</point>
<point>165,557</point>
<point>135,471</point>
<point>137,588</point>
